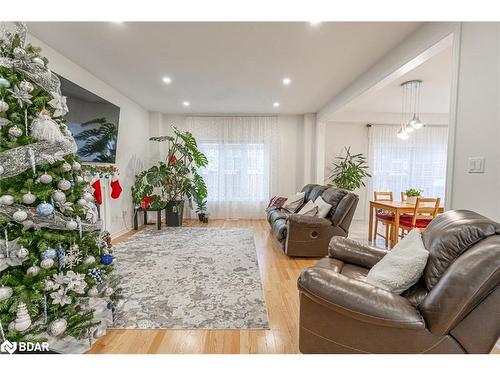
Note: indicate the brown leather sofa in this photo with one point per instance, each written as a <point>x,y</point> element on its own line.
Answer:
<point>307,236</point>
<point>454,308</point>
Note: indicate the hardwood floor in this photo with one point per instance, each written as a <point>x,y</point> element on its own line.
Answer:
<point>279,278</point>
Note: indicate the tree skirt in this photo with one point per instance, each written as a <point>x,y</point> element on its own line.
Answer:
<point>190,278</point>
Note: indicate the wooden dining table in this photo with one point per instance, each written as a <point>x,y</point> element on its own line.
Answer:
<point>398,208</point>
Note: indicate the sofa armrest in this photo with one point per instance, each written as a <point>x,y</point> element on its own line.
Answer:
<point>359,300</point>
<point>309,221</point>
<point>354,252</point>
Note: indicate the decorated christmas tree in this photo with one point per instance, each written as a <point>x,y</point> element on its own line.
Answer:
<point>55,262</point>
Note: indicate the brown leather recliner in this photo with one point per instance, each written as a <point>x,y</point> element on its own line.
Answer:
<point>308,236</point>
<point>454,308</point>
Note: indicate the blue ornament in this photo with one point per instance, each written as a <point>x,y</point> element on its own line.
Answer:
<point>95,274</point>
<point>4,83</point>
<point>107,259</point>
<point>60,259</point>
<point>45,209</point>
<point>49,254</point>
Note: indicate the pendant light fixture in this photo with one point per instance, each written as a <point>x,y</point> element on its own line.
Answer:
<point>410,109</point>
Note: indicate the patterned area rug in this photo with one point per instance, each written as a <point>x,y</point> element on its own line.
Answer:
<point>190,278</point>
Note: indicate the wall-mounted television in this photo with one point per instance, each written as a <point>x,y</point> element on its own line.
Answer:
<point>93,122</point>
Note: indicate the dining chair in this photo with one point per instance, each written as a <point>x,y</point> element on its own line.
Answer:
<point>425,210</point>
<point>386,218</point>
<point>404,198</point>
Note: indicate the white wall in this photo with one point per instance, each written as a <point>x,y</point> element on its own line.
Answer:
<point>338,136</point>
<point>477,131</point>
<point>132,151</point>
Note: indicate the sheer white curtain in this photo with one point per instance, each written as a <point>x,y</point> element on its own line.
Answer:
<point>241,154</point>
<point>419,162</point>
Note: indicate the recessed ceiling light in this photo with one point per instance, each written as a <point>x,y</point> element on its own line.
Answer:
<point>287,81</point>
<point>276,104</point>
<point>167,80</point>
<point>185,104</point>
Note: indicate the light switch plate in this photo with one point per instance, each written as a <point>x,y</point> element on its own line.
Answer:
<point>476,164</point>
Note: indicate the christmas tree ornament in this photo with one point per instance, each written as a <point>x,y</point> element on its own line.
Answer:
<point>38,61</point>
<point>28,198</point>
<point>59,104</point>
<point>96,186</point>
<point>1,170</point>
<point>76,166</point>
<point>108,292</point>
<point>88,197</point>
<point>46,178</point>
<point>71,225</point>
<point>79,179</point>
<point>45,209</point>
<point>33,270</point>
<point>59,196</point>
<point>81,202</point>
<point>60,259</point>
<point>72,257</point>
<point>107,259</point>
<point>80,228</point>
<point>23,97</point>
<point>43,128</point>
<point>116,189</point>
<point>49,254</point>
<point>47,263</point>
<point>19,53</point>
<point>5,293</point>
<point>49,285</point>
<point>26,86</point>
<point>20,216</point>
<point>22,253</point>
<point>57,327</point>
<point>66,167</point>
<point>7,199</point>
<point>28,224</point>
<point>31,156</point>
<point>15,132</point>
<point>93,292</point>
<point>4,107</point>
<point>64,185</point>
<point>4,83</point>
<point>89,260</point>
<point>95,274</point>
<point>8,253</point>
<point>23,320</point>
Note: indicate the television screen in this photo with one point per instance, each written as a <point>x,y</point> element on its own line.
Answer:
<point>93,122</point>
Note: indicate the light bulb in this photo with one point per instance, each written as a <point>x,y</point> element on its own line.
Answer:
<point>409,128</point>
<point>402,134</point>
<point>418,124</point>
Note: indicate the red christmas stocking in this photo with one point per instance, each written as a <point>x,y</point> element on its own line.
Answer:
<point>116,188</point>
<point>96,185</point>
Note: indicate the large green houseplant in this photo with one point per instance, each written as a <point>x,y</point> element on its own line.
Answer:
<point>349,171</point>
<point>171,182</point>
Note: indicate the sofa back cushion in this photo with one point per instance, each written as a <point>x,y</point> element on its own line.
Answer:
<point>333,196</point>
<point>451,234</point>
<point>313,191</point>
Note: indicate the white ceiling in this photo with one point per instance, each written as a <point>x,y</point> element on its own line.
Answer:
<point>435,74</point>
<point>225,67</point>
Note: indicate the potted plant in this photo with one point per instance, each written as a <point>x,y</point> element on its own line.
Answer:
<point>147,190</point>
<point>201,207</point>
<point>179,174</point>
<point>412,195</point>
<point>349,171</point>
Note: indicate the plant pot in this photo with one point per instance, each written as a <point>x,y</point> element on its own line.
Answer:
<point>174,212</point>
<point>205,218</point>
<point>201,216</point>
<point>411,200</point>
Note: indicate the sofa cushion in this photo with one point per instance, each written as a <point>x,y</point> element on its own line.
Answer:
<point>313,191</point>
<point>354,272</point>
<point>279,213</point>
<point>279,229</point>
<point>309,209</point>
<point>323,207</point>
<point>333,196</point>
<point>449,235</point>
<point>294,202</point>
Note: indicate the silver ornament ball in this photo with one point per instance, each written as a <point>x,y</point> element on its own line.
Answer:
<point>38,61</point>
<point>89,260</point>
<point>108,292</point>
<point>29,198</point>
<point>59,196</point>
<point>88,197</point>
<point>64,185</point>
<point>93,292</point>
<point>46,178</point>
<point>26,86</point>
<point>82,202</point>
<point>71,225</point>
<point>4,107</point>
<point>33,270</point>
<point>76,166</point>
<point>20,216</point>
<point>47,263</point>
<point>22,253</point>
<point>7,199</point>
<point>15,132</point>
<point>5,293</point>
<point>57,327</point>
<point>66,167</point>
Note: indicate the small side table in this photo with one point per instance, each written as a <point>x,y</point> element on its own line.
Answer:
<point>145,211</point>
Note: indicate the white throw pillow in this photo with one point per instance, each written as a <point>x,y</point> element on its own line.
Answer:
<point>309,209</point>
<point>323,207</point>
<point>402,267</point>
<point>294,202</point>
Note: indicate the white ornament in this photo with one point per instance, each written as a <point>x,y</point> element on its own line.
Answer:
<point>33,270</point>
<point>46,178</point>
<point>23,320</point>
<point>20,216</point>
<point>43,128</point>
<point>89,260</point>
<point>26,86</point>
<point>49,285</point>
<point>59,196</point>
<point>82,202</point>
<point>88,197</point>
<point>15,132</point>
<point>4,107</point>
<point>57,327</point>
<point>59,104</point>
<point>108,292</point>
<point>72,257</point>
<point>29,198</point>
<point>5,293</point>
<point>64,185</point>
<point>71,225</point>
<point>3,170</point>
<point>79,179</point>
<point>22,253</point>
<point>7,199</point>
<point>66,167</point>
<point>76,166</point>
<point>47,263</point>
<point>93,292</point>
<point>38,61</point>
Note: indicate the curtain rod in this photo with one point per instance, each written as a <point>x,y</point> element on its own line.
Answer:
<point>226,115</point>
<point>398,125</point>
